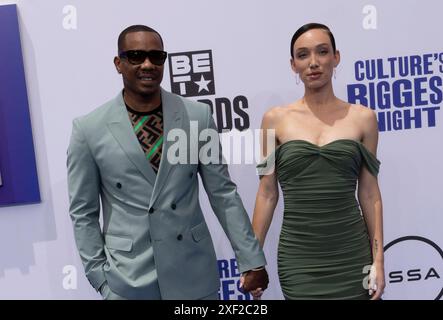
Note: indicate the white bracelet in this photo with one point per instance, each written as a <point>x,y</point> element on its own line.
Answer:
<point>257,269</point>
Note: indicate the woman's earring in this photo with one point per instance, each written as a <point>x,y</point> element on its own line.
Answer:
<point>297,78</point>
<point>335,73</point>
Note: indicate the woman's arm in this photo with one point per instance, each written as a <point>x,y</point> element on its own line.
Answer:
<point>265,203</point>
<point>267,194</point>
<point>370,200</point>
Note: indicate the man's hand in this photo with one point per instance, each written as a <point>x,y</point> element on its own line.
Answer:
<point>255,279</point>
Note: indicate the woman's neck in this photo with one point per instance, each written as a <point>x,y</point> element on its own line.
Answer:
<point>318,99</point>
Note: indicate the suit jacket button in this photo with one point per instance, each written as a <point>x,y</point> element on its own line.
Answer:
<point>118,185</point>
<point>173,206</point>
<point>179,237</point>
<point>151,210</point>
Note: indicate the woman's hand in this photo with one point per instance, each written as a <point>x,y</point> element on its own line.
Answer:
<point>377,280</point>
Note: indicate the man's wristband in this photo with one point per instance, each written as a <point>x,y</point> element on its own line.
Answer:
<point>257,269</point>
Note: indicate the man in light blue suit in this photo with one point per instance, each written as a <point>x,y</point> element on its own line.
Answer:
<point>154,242</point>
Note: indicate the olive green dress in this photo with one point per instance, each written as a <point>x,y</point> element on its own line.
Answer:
<point>324,244</point>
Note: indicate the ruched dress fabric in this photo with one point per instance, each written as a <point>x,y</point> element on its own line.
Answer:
<point>324,244</point>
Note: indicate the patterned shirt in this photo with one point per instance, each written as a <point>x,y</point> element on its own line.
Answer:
<point>148,127</point>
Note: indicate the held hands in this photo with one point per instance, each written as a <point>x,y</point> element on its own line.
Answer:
<point>255,282</point>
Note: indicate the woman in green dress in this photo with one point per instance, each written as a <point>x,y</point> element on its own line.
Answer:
<point>326,150</point>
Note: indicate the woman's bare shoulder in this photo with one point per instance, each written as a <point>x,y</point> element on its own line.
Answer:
<point>362,112</point>
<point>272,115</point>
<point>366,118</point>
<point>277,113</point>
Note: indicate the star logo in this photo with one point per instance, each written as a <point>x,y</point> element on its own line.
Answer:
<point>202,84</point>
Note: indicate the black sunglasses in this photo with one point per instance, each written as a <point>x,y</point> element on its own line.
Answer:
<point>156,57</point>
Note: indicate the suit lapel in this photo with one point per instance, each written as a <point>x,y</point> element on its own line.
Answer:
<point>122,130</point>
<point>173,118</point>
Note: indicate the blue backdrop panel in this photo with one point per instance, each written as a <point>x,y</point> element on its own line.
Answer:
<point>19,182</point>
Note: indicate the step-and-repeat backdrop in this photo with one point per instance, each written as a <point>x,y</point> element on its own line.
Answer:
<point>233,55</point>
